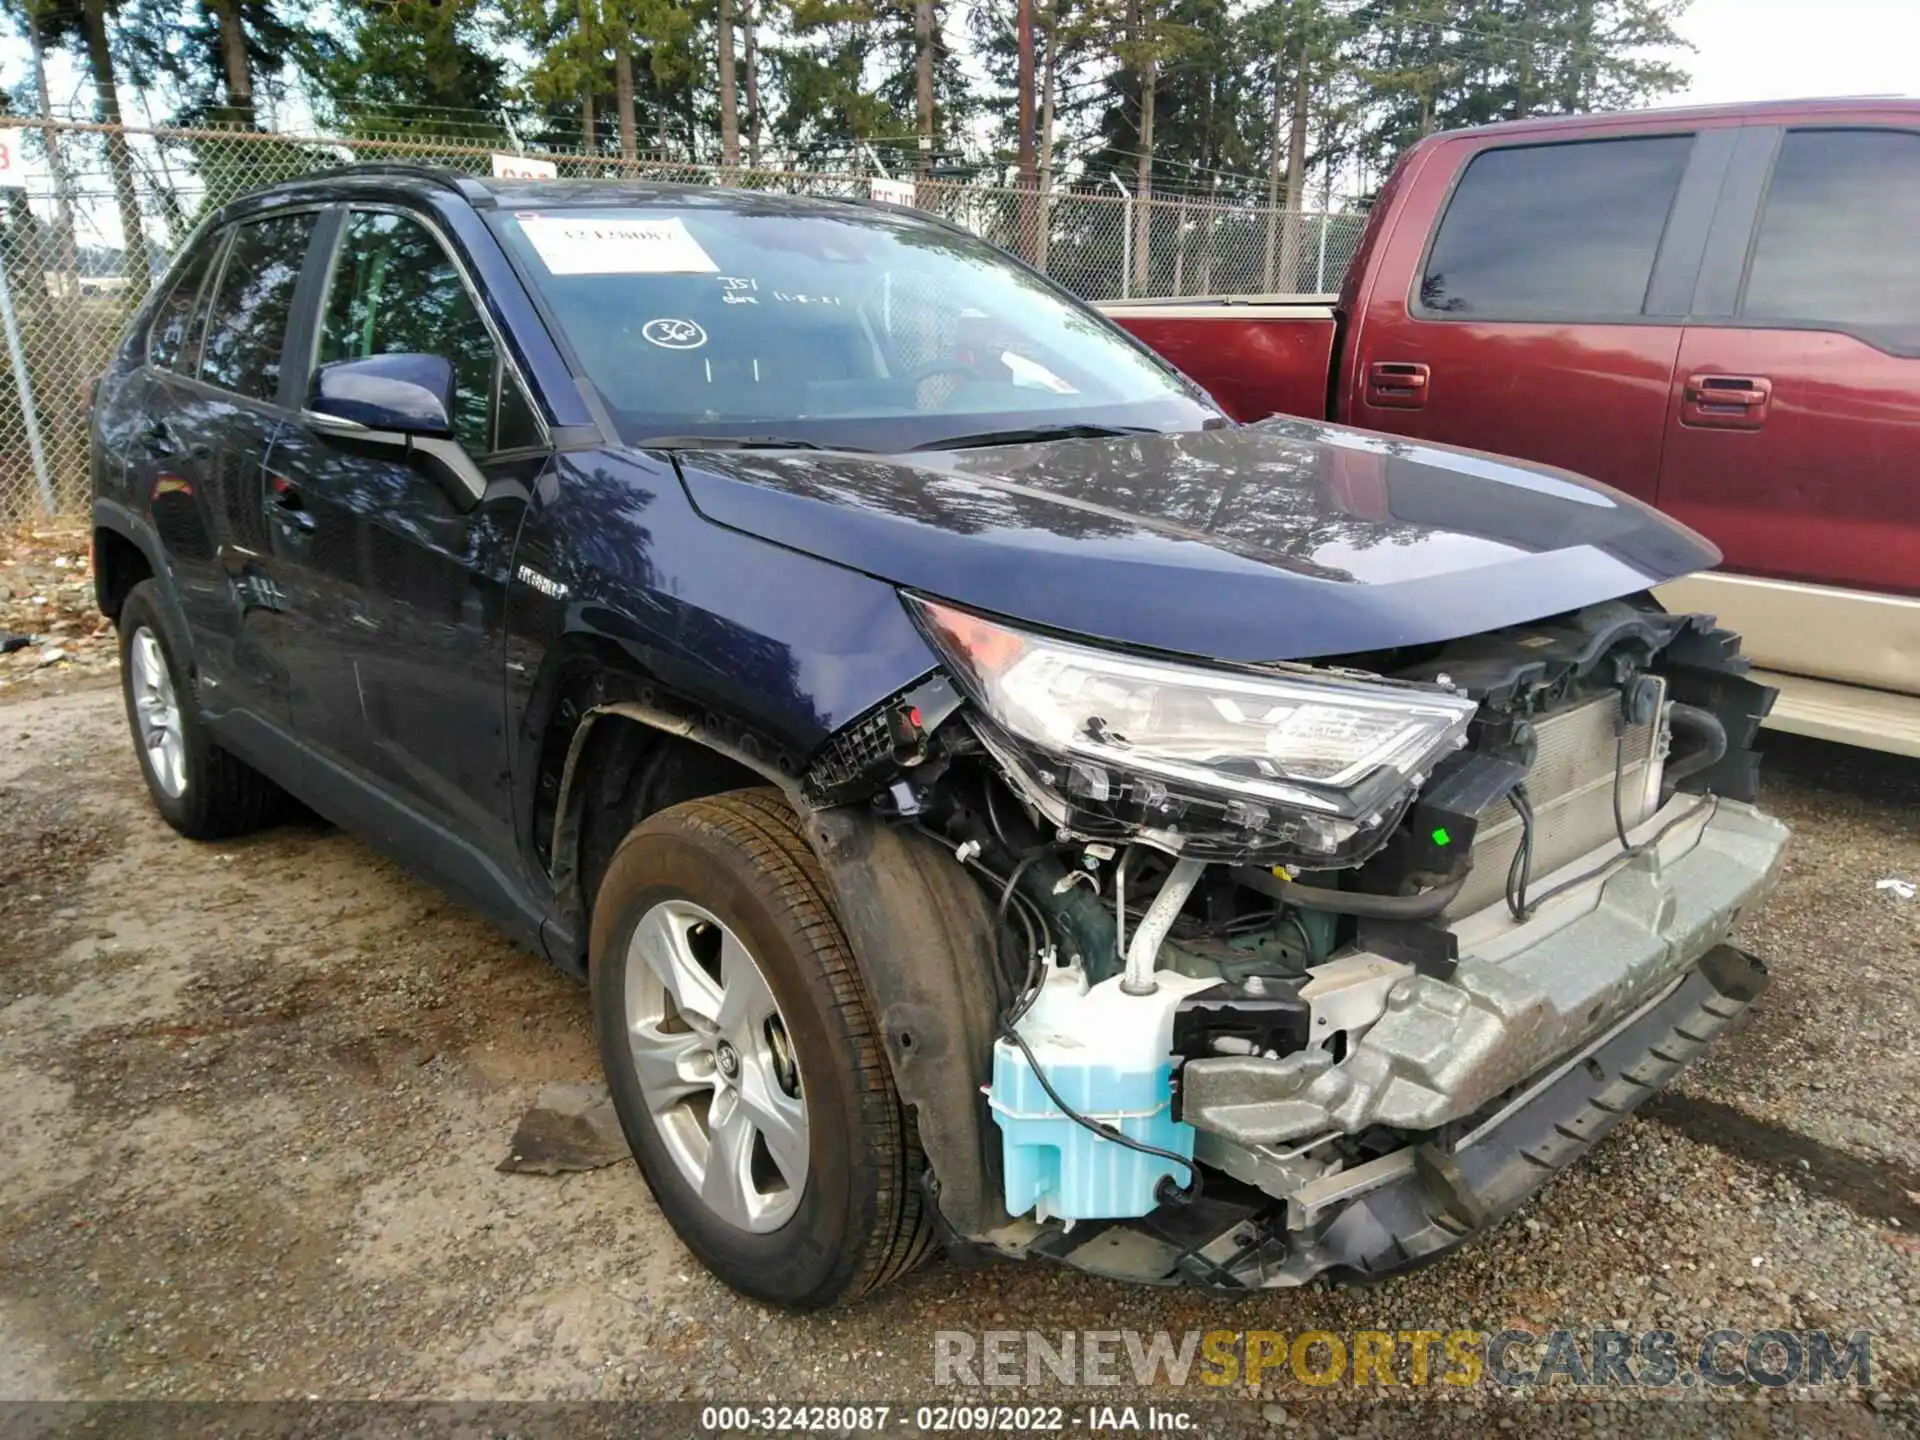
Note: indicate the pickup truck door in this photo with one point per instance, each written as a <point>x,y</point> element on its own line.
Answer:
<point>1541,317</point>
<point>1795,406</point>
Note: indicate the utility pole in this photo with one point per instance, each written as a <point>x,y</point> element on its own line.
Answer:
<point>1028,210</point>
<point>748,18</point>
<point>729,114</point>
<point>1273,149</point>
<point>588,141</point>
<point>923,81</point>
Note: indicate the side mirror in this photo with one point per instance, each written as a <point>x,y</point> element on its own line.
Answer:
<point>403,399</point>
<point>404,393</point>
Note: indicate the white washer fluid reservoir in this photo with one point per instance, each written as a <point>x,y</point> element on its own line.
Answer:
<point>1109,1055</point>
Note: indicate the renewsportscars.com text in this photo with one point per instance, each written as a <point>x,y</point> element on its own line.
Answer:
<point>1219,1358</point>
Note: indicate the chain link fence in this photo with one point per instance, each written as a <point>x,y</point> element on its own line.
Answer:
<point>76,190</point>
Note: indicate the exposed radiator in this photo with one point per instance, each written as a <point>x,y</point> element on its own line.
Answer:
<point>1571,787</point>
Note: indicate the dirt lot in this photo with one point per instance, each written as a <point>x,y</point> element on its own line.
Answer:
<point>252,1097</point>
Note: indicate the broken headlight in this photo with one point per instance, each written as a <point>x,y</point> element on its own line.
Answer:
<point>1308,768</point>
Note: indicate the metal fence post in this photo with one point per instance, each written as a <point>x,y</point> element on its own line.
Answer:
<point>1320,267</point>
<point>1126,237</point>
<point>31,421</point>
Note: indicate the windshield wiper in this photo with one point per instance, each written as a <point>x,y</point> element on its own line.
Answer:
<point>736,442</point>
<point>1031,433</point>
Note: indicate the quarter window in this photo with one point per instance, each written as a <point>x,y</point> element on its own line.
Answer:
<point>396,290</point>
<point>515,427</point>
<point>174,339</point>
<point>1839,240</point>
<point>247,327</point>
<point>1547,232</point>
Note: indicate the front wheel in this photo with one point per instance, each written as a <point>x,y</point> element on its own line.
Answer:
<point>743,1058</point>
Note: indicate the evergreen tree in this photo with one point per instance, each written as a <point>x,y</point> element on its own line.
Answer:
<point>420,68</point>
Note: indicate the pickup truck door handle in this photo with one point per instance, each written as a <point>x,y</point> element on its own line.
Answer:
<point>1397,384</point>
<point>1725,402</point>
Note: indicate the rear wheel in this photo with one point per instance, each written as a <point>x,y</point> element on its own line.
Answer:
<point>200,789</point>
<point>743,1058</point>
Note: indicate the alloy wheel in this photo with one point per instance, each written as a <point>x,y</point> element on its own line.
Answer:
<point>156,710</point>
<point>716,1066</point>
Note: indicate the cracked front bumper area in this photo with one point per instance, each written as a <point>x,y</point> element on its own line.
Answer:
<point>1522,994</point>
<point>1548,1034</point>
<point>1409,1207</point>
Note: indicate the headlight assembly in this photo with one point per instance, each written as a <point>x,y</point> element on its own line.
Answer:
<point>1304,768</point>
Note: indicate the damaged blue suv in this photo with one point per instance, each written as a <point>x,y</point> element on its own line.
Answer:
<point>993,798</point>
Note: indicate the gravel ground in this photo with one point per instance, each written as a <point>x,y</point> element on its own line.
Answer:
<point>252,1097</point>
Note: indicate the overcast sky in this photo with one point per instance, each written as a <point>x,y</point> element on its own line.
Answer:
<point>1787,49</point>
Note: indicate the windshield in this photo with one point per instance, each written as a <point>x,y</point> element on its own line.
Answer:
<point>866,329</point>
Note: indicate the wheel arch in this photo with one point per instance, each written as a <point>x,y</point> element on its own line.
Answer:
<point>920,929</point>
<point>125,552</point>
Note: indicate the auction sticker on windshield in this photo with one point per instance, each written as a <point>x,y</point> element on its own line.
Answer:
<point>583,245</point>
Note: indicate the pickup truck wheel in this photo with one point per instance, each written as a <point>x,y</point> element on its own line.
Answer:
<point>744,1060</point>
<point>201,790</point>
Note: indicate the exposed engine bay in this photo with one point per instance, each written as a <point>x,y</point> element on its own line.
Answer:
<point>1280,948</point>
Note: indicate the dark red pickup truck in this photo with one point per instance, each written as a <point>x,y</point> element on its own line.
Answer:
<point>1715,310</point>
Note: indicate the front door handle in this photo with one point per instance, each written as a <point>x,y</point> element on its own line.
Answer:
<point>1397,384</point>
<point>1725,402</point>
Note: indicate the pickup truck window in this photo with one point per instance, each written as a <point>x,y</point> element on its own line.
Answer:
<point>1548,232</point>
<point>843,327</point>
<point>1839,240</point>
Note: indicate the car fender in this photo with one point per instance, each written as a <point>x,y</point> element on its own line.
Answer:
<point>922,938</point>
<point>133,527</point>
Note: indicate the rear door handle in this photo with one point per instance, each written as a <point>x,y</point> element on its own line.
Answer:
<point>285,505</point>
<point>1397,384</point>
<point>163,444</point>
<point>1725,402</point>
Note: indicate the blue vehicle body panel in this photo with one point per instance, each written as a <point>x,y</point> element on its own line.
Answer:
<point>793,645</point>
<point>1282,541</point>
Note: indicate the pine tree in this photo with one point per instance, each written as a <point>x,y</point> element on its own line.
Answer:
<point>422,68</point>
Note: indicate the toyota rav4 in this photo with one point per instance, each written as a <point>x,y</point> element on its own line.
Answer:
<point>991,796</point>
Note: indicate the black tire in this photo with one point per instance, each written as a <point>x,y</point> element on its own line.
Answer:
<point>222,795</point>
<point>859,1222</point>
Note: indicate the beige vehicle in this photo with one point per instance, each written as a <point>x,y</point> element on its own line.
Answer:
<point>1846,662</point>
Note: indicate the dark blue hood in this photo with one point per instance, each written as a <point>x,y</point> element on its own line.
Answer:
<point>1284,540</point>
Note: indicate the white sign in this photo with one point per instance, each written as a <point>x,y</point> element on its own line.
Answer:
<point>581,245</point>
<point>13,170</point>
<point>523,167</point>
<point>894,192</point>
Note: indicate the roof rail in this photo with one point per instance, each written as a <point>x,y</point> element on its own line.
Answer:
<point>465,185</point>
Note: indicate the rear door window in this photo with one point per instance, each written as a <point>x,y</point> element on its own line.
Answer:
<point>395,289</point>
<point>1839,240</point>
<point>174,340</point>
<point>247,327</point>
<point>1545,232</point>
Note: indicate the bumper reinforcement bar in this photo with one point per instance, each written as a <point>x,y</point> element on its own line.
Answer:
<point>1426,1200</point>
